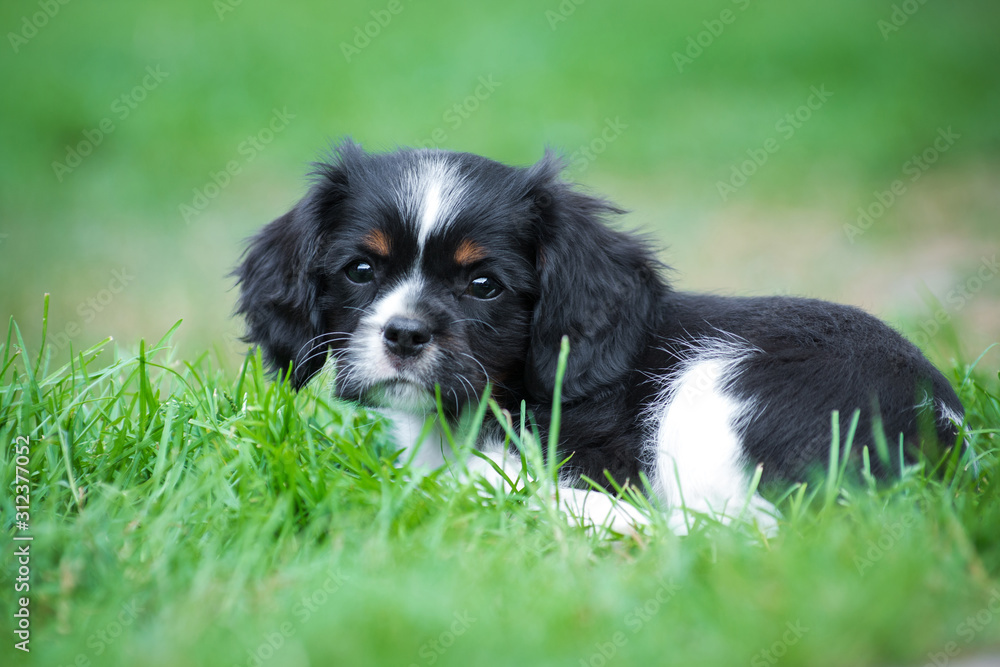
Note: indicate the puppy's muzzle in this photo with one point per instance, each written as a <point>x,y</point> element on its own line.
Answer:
<point>406,337</point>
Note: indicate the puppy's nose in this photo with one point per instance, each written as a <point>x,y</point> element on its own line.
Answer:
<point>405,336</point>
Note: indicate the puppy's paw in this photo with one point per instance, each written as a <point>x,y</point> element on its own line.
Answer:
<point>601,512</point>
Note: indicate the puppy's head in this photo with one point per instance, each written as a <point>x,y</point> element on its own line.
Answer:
<point>422,268</point>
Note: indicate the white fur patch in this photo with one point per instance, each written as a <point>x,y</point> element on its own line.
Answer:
<point>431,195</point>
<point>600,512</point>
<point>433,451</point>
<point>594,510</point>
<point>399,302</point>
<point>369,364</point>
<point>697,452</point>
<point>509,462</point>
<point>948,415</point>
<point>369,357</point>
<point>430,213</point>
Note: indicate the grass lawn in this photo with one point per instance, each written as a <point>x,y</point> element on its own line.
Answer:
<point>186,510</point>
<point>185,515</point>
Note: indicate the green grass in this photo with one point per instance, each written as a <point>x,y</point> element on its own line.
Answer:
<point>182,514</point>
<point>686,130</point>
<point>174,485</point>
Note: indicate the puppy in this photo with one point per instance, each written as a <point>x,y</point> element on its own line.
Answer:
<point>422,270</point>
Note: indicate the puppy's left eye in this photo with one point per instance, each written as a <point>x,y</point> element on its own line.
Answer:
<point>484,288</point>
<point>360,272</point>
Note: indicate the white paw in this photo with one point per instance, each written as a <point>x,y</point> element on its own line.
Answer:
<point>601,512</point>
<point>760,514</point>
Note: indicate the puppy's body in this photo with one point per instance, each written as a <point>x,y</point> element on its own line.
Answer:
<point>422,269</point>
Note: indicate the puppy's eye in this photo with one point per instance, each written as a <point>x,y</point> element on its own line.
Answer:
<point>360,272</point>
<point>484,288</point>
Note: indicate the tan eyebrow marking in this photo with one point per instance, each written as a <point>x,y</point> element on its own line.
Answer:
<point>468,252</point>
<point>378,242</point>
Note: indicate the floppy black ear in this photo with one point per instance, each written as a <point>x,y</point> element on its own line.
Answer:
<point>279,277</point>
<point>599,286</point>
<point>278,291</point>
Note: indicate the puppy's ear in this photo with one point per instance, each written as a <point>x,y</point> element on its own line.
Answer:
<point>599,286</point>
<point>279,279</point>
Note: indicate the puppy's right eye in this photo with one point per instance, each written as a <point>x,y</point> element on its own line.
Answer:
<point>360,272</point>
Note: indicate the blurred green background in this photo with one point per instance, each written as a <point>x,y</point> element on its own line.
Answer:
<point>118,115</point>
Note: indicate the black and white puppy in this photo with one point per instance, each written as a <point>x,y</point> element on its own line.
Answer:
<point>419,269</point>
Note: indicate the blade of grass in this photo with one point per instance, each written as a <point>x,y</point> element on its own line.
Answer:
<point>555,422</point>
<point>834,460</point>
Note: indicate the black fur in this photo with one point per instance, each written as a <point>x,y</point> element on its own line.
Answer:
<point>565,272</point>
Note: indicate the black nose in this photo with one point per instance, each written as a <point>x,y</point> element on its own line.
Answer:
<point>405,336</point>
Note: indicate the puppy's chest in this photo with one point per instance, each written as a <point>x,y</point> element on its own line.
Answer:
<point>422,437</point>
<point>412,430</point>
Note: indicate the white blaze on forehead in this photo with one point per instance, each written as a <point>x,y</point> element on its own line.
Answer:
<point>431,195</point>
<point>429,215</point>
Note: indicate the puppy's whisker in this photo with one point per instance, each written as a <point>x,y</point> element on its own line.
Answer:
<point>317,341</point>
<point>348,375</point>
<point>320,339</point>
<point>455,393</point>
<point>486,376</point>
<point>328,345</point>
<point>477,321</point>
<point>465,381</point>
<point>312,375</point>
<point>326,334</point>
<point>320,352</point>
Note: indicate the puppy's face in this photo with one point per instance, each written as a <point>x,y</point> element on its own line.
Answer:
<point>423,269</point>
<point>427,280</point>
